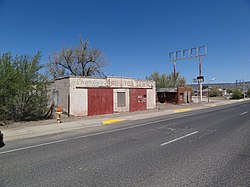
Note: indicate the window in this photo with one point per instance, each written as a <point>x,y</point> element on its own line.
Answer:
<point>121,99</point>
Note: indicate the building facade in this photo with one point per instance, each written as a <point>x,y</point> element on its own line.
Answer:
<point>81,96</point>
<point>179,95</point>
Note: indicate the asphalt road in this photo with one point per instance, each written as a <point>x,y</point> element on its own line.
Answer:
<point>209,147</point>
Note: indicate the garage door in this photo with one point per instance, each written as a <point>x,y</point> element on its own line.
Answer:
<point>138,99</point>
<point>100,101</point>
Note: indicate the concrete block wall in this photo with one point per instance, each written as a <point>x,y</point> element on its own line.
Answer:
<point>62,86</point>
<point>79,101</point>
<point>73,92</point>
<point>151,95</point>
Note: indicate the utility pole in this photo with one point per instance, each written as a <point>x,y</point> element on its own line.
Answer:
<point>196,52</point>
<point>174,69</point>
<point>243,75</point>
<point>200,79</point>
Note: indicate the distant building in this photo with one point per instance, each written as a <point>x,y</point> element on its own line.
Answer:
<point>81,96</point>
<point>179,95</point>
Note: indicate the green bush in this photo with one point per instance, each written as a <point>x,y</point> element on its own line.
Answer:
<point>248,92</point>
<point>22,88</point>
<point>214,92</point>
<point>237,94</point>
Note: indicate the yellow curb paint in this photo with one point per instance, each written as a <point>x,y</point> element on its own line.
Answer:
<point>106,122</point>
<point>182,110</point>
<point>213,105</point>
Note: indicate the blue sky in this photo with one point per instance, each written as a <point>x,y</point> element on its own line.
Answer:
<point>136,36</point>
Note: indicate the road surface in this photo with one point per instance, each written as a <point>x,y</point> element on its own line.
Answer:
<point>209,147</point>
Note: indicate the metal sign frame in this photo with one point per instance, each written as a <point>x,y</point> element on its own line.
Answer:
<point>195,52</point>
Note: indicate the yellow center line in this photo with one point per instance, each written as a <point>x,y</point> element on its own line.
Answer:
<point>106,122</point>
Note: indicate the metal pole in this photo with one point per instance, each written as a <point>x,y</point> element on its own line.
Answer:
<point>200,74</point>
<point>244,80</point>
<point>208,93</point>
<point>174,69</point>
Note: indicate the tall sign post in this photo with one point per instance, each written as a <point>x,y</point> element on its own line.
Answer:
<point>196,52</point>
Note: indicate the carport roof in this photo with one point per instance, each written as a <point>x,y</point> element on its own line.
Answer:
<point>167,90</point>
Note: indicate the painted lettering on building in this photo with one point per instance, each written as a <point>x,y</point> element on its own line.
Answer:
<point>111,82</point>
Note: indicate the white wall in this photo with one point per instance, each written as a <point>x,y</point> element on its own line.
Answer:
<point>151,97</point>
<point>79,102</point>
<point>78,97</point>
<point>62,86</point>
<point>121,109</point>
<point>76,88</point>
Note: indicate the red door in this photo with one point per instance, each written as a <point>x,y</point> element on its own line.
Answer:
<point>138,99</point>
<point>100,101</point>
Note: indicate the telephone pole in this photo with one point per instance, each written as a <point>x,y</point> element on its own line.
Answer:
<point>196,52</point>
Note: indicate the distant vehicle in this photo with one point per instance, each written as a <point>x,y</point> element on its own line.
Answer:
<point>1,140</point>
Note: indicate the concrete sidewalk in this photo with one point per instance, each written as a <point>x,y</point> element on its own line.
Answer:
<point>29,131</point>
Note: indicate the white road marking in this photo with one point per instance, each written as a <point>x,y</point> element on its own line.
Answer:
<point>171,129</point>
<point>244,113</point>
<point>212,131</point>
<point>239,129</point>
<point>174,140</point>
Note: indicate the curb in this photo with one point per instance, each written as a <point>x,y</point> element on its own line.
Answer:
<point>106,122</point>
<point>182,110</point>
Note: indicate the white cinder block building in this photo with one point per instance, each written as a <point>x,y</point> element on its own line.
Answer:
<point>81,96</point>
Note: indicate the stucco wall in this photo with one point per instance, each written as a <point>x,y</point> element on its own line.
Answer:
<point>151,98</point>
<point>62,86</point>
<point>75,91</point>
<point>78,102</point>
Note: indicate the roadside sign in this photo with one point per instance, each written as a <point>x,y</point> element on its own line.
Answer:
<point>200,78</point>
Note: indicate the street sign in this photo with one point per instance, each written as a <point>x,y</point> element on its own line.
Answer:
<point>200,78</point>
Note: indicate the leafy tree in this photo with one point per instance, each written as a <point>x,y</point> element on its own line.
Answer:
<point>22,88</point>
<point>7,76</point>
<point>167,81</point>
<point>204,87</point>
<point>79,61</point>
<point>248,92</point>
<point>237,94</point>
<point>159,79</point>
<point>214,92</point>
<point>229,90</point>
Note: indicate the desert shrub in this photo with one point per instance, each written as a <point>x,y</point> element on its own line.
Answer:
<point>22,88</point>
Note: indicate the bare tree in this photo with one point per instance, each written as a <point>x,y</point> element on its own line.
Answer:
<point>79,61</point>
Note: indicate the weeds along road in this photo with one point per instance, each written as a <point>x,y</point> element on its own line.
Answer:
<point>209,147</point>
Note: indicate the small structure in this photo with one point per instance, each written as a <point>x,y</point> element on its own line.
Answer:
<point>167,95</point>
<point>179,95</point>
<point>80,96</point>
